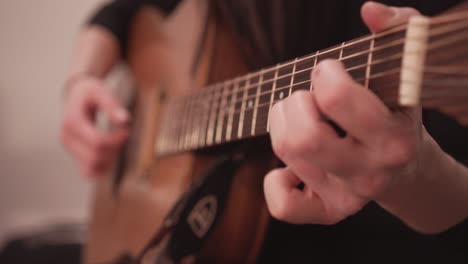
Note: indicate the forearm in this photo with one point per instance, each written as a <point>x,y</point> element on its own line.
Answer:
<point>436,198</point>
<point>97,50</point>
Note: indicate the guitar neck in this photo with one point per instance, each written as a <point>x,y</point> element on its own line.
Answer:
<point>393,64</point>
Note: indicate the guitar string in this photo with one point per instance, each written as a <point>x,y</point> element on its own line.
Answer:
<point>447,18</point>
<point>424,97</point>
<point>252,96</point>
<point>259,123</point>
<point>395,30</point>
<point>432,23</point>
<point>443,43</point>
<point>261,116</point>
<point>393,43</point>
<point>460,84</point>
<point>428,94</point>
<point>292,75</point>
<point>283,88</point>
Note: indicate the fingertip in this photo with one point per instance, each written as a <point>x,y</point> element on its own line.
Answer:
<point>375,15</point>
<point>379,17</point>
<point>330,71</point>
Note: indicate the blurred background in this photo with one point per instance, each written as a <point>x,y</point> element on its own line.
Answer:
<point>39,184</point>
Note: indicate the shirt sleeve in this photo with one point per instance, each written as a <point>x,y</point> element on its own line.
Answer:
<point>116,16</point>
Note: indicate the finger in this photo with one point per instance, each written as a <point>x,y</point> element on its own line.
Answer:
<point>84,131</point>
<point>301,137</point>
<point>85,158</point>
<point>355,109</point>
<point>90,163</point>
<point>110,105</point>
<point>379,17</point>
<point>287,203</point>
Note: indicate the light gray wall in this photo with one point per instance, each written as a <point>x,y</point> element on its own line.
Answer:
<point>39,183</point>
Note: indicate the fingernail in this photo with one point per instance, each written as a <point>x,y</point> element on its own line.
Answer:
<point>122,114</point>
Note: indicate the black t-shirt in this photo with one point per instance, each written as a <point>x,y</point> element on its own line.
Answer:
<point>277,30</point>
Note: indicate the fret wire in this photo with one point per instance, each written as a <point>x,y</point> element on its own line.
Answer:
<point>193,126</point>
<point>254,116</point>
<point>292,76</point>
<point>232,109</point>
<point>315,66</point>
<point>197,118</point>
<point>178,127</point>
<point>206,117</point>
<point>219,125</point>
<point>188,122</point>
<point>369,61</point>
<point>341,50</point>
<point>242,113</point>
<point>174,125</point>
<point>183,126</point>
<point>213,111</point>
<point>272,97</point>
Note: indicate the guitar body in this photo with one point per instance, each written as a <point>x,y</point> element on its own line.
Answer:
<point>161,59</point>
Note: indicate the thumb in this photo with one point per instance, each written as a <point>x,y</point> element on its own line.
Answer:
<point>288,203</point>
<point>109,104</point>
<point>379,17</point>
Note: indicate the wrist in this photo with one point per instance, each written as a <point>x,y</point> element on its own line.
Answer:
<point>420,170</point>
<point>424,199</point>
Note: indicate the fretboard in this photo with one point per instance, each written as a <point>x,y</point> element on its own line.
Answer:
<point>239,108</point>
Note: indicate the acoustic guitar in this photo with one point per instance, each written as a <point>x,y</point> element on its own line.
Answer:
<point>180,131</point>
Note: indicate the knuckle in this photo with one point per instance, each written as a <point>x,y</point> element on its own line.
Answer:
<point>99,145</point>
<point>279,209</point>
<point>276,109</point>
<point>399,151</point>
<point>280,146</point>
<point>277,204</point>
<point>312,138</point>
<point>336,215</point>
<point>299,96</point>
<point>331,99</point>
